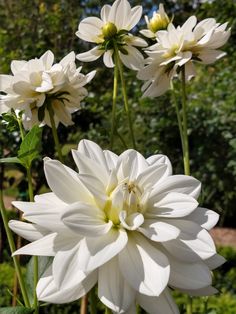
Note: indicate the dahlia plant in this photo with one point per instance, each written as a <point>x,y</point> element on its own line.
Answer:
<point>122,224</point>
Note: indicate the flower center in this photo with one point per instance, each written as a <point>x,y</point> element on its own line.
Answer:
<point>171,52</point>
<point>109,30</point>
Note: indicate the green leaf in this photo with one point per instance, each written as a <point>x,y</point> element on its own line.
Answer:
<point>16,310</point>
<point>31,146</point>
<point>10,160</point>
<point>43,263</point>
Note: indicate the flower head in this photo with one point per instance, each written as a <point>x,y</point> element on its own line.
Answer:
<point>178,47</point>
<point>37,82</point>
<point>159,21</point>
<point>111,32</point>
<point>124,222</point>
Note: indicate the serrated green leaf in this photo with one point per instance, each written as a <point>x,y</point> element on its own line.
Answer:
<point>31,146</point>
<point>16,310</point>
<point>10,160</point>
<point>43,263</point>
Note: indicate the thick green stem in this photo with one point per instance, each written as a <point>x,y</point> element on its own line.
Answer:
<point>31,199</point>
<point>54,133</point>
<point>93,301</point>
<point>189,306</point>
<point>124,92</point>
<point>185,125</point>
<point>108,311</point>
<point>13,248</point>
<point>178,115</point>
<point>113,121</point>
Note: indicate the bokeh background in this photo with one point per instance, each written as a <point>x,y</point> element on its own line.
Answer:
<point>30,27</point>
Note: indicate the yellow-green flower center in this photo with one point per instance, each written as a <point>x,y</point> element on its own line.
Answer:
<point>109,30</point>
<point>158,22</point>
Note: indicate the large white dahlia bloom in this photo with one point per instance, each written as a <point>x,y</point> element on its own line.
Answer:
<point>35,82</point>
<point>123,222</point>
<point>111,31</point>
<point>181,46</point>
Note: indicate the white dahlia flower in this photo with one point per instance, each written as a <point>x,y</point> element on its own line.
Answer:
<point>36,82</point>
<point>159,21</point>
<point>123,222</point>
<point>178,47</point>
<point>112,32</point>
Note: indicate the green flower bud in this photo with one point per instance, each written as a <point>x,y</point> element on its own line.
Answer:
<point>109,30</point>
<point>158,22</point>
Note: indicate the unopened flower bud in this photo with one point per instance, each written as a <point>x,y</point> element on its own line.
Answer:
<point>109,30</point>
<point>159,20</point>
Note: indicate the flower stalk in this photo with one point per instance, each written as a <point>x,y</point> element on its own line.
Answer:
<point>114,97</point>
<point>185,125</point>
<point>13,248</point>
<point>124,92</point>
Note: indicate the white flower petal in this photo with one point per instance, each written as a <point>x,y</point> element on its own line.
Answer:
<point>152,175</point>
<point>160,159</point>
<point>65,269</point>
<point>65,182</point>
<point>107,59</point>
<point>105,13</point>
<point>113,289</point>
<point>163,304</point>
<point>132,221</point>
<point>144,267</point>
<point>48,292</point>
<point>193,243</point>
<point>204,217</point>
<point>172,205</point>
<point>90,28</point>
<point>47,59</point>
<point>133,60</point>
<point>90,55</point>
<point>94,252</point>
<point>86,220</point>
<point>215,261</point>
<point>30,232</point>
<point>179,183</point>
<point>136,13</point>
<point>159,231</point>
<point>189,276</point>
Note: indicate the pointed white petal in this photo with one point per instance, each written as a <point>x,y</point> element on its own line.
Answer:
<point>164,304</point>
<point>65,182</point>
<point>94,252</point>
<point>189,276</point>
<point>215,261</point>
<point>90,28</point>
<point>159,231</point>
<point>65,268</point>
<point>113,289</point>
<point>107,59</point>
<point>204,217</point>
<point>47,58</point>
<point>181,184</point>
<point>86,220</point>
<point>171,205</point>
<point>90,55</point>
<point>48,292</point>
<point>144,267</point>
<point>30,232</point>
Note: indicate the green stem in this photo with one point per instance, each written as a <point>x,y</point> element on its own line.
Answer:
<point>113,121</point>
<point>93,301</point>
<point>185,125</point>
<point>22,132</point>
<point>31,199</point>
<point>189,306</point>
<point>178,115</point>
<point>13,248</point>
<point>124,92</point>
<point>108,311</point>
<point>54,133</point>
